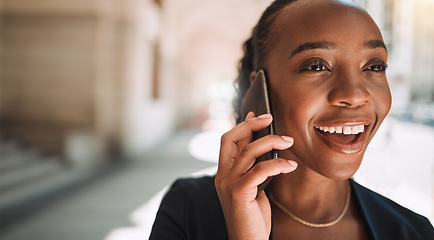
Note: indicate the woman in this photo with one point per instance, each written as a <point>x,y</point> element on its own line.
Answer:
<point>325,61</point>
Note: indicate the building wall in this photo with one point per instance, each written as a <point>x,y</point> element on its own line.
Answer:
<point>78,70</point>
<point>423,61</point>
<point>46,74</point>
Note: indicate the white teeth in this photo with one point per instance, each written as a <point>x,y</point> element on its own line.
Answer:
<point>343,129</point>
<point>347,130</point>
<point>355,130</point>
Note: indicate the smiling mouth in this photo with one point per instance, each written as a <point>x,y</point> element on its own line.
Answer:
<point>346,139</point>
<point>343,134</point>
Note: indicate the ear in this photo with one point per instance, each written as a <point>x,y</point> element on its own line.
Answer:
<point>253,76</point>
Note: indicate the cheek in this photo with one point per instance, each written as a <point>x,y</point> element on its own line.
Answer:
<point>388,101</point>
<point>383,101</point>
<point>293,108</point>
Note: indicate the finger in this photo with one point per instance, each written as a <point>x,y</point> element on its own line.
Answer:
<point>226,165</point>
<point>253,150</point>
<point>247,140</point>
<point>263,170</point>
<point>230,140</point>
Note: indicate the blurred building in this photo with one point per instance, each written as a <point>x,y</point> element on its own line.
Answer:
<point>106,77</point>
<point>79,83</point>
<point>81,75</point>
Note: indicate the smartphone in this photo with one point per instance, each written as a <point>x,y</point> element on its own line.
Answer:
<point>257,100</point>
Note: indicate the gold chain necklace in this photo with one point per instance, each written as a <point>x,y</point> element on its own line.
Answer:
<point>315,225</point>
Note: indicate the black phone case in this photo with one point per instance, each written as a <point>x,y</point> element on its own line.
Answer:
<point>257,100</point>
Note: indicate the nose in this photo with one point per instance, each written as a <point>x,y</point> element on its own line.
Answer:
<point>349,90</point>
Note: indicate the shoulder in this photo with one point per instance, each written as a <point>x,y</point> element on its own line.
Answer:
<point>192,209</point>
<point>199,194</point>
<point>196,192</point>
<point>202,185</point>
<point>389,220</point>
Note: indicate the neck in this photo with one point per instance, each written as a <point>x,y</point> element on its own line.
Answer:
<point>310,195</point>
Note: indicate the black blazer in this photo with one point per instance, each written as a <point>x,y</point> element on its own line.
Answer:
<point>191,210</point>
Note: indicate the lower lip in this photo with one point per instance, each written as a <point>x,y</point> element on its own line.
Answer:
<point>350,148</point>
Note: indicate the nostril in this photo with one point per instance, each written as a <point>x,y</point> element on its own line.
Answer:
<point>351,97</point>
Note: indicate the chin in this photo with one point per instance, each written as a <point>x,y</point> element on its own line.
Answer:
<point>343,174</point>
<point>339,169</point>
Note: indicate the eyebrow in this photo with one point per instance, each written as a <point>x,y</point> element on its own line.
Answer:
<point>313,45</point>
<point>372,44</point>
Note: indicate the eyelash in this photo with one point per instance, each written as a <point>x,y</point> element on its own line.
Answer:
<point>315,62</point>
<point>320,65</point>
<point>377,67</point>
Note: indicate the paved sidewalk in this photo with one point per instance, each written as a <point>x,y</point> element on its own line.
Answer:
<point>91,212</point>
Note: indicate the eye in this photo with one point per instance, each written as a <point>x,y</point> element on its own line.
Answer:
<point>376,66</point>
<point>315,65</point>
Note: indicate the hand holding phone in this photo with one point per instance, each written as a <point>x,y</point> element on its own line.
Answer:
<point>240,185</point>
<point>257,100</point>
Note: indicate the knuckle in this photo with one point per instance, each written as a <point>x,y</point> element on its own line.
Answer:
<point>246,149</point>
<point>225,137</point>
<point>259,167</point>
<point>224,186</point>
<point>217,185</point>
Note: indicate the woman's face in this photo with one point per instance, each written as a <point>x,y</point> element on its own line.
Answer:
<point>327,75</point>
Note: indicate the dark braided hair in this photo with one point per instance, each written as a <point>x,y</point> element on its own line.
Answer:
<point>255,51</point>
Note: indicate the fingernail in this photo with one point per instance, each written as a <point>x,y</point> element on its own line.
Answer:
<point>263,116</point>
<point>293,163</point>
<point>288,139</point>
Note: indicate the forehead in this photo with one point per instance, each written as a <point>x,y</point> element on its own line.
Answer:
<point>324,20</point>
